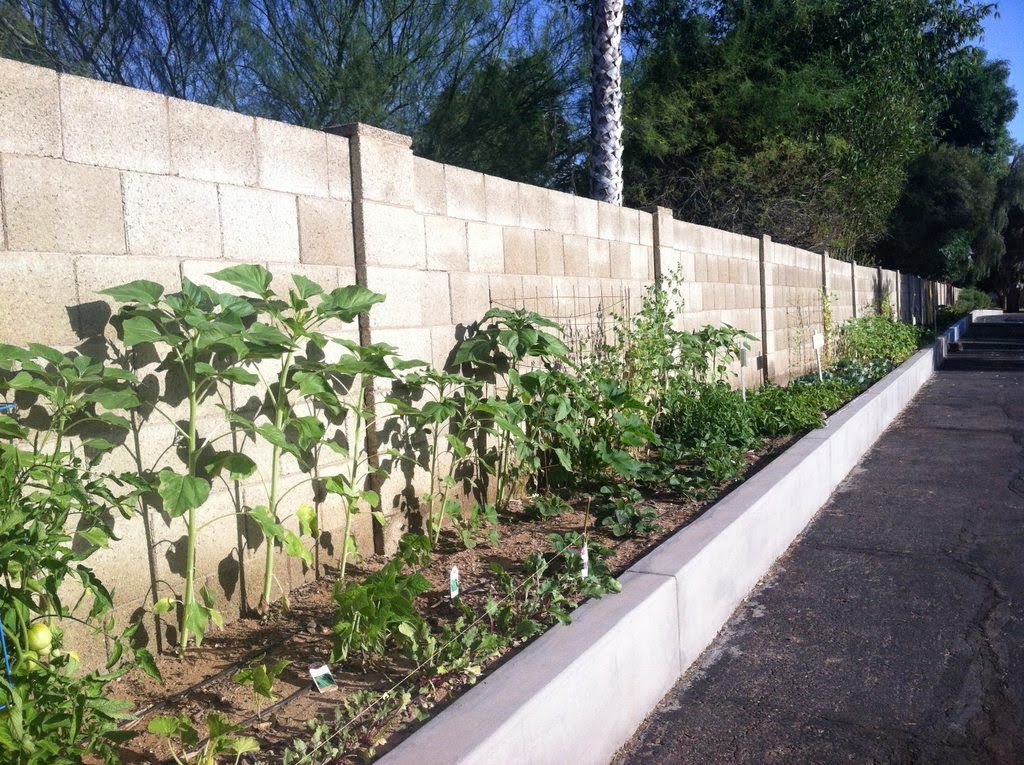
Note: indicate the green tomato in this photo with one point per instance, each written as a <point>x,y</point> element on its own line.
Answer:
<point>40,638</point>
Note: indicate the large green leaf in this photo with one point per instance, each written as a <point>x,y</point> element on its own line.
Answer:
<point>238,465</point>
<point>293,546</point>
<point>140,291</point>
<point>307,287</point>
<point>139,329</point>
<point>310,429</point>
<point>308,522</point>
<point>267,523</point>
<point>9,428</point>
<point>276,437</point>
<point>164,725</point>
<point>249,277</point>
<point>346,303</point>
<point>114,398</point>
<point>181,493</point>
<point>9,353</point>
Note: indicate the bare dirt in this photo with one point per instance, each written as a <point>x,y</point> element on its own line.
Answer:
<point>301,634</point>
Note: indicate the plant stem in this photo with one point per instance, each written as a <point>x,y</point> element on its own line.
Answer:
<point>353,474</point>
<point>280,409</point>
<point>190,551</point>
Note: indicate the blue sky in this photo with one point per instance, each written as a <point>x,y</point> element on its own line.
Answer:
<point>1004,38</point>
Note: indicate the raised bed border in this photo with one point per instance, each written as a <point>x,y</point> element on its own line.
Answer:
<point>579,692</point>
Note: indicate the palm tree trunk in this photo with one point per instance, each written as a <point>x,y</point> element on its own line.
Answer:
<point>606,100</point>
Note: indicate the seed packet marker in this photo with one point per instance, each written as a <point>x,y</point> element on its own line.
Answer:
<point>322,678</point>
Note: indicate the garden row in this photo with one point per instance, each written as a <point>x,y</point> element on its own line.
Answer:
<point>521,429</point>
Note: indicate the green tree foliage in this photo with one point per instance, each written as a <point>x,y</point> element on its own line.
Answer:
<point>947,200</point>
<point>509,120</point>
<point>1009,211</point>
<point>980,103</point>
<point>797,117</point>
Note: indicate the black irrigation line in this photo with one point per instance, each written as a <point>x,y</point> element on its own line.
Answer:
<point>250,720</point>
<point>231,668</point>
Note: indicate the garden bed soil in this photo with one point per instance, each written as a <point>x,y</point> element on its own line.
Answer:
<point>302,634</point>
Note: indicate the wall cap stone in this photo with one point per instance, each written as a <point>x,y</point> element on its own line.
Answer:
<point>352,129</point>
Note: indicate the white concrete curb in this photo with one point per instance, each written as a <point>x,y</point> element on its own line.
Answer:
<point>580,691</point>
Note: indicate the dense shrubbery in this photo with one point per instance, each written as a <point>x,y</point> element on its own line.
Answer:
<point>872,338</point>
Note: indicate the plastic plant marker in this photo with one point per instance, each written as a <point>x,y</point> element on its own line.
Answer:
<point>453,583</point>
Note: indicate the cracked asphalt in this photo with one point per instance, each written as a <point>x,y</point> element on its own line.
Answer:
<point>893,630</point>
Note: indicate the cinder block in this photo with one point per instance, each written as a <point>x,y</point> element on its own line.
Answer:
<point>502,201</point>
<point>410,343</point>
<point>29,110</point>
<point>171,217</point>
<point>394,236</point>
<point>599,253</point>
<point>40,305</point>
<point>621,260</point>
<point>586,217</point>
<point>465,194</point>
<point>534,206</point>
<point>443,341</point>
<point>538,295</point>
<point>259,225</point>
<point>576,255</point>
<point>56,206</point>
<point>413,298</point>
<point>446,244</point>
<point>520,251</point>
<point>212,144</point>
<point>549,253</point>
<point>647,230</point>
<point>629,222</point>
<point>486,248</point>
<point>641,264</point>
<point>97,272</point>
<point>291,158</point>
<point>385,167</point>
<point>325,232</point>
<point>339,167</point>
<point>562,215</point>
<point>470,297</point>
<point>114,126</point>
<point>736,271</point>
<point>609,221</point>
<point>506,289</point>
<point>695,301</point>
<point>430,190</point>
<point>687,265</point>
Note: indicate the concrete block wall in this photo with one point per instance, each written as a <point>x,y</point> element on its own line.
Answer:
<point>890,293</point>
<point>793,283</point>
<point>838,276</point>
<point>102,184</point>
<point>868,290</point>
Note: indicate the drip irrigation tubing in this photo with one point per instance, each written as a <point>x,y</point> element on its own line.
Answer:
<point>142,713</point>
